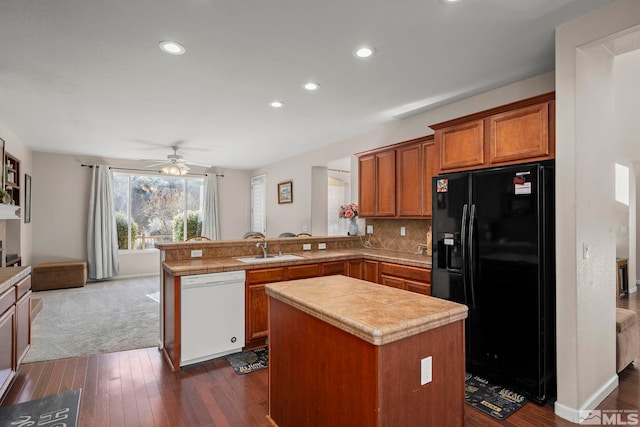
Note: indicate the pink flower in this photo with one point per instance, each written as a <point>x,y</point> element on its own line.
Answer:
<point>348,211</point>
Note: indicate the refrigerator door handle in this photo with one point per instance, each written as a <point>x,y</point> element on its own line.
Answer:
<point>472,264</point>
<point>463,244</point>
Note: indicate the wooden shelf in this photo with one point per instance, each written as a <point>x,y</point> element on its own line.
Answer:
<point>12,177</point>
<point>16,262</point>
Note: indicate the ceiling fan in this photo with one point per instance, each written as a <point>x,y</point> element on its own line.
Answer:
<point>175,164</point>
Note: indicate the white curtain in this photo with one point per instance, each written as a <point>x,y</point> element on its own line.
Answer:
<point>102,237</point>
<point>210,226</point>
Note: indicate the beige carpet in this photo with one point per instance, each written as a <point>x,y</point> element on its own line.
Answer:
<point>101,317</point>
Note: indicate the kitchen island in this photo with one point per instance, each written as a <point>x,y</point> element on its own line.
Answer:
<point>345,351</point>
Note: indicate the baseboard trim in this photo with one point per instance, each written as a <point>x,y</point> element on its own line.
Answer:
<point>577,415</point>
<point>129,276</point>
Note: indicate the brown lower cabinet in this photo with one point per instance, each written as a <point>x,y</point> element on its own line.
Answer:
<point>15,330</point>
<point>409,278</point>
<point>256,314</point>
<point>414,279</point>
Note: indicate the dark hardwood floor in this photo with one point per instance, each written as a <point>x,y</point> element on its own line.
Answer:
<point>136,388</point>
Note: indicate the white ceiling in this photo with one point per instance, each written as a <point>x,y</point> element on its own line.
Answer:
<point>87,77</point>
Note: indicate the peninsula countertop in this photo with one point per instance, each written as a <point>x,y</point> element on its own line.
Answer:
<point>216,265</point>
<point>9,276</point>
<point>376,314</point>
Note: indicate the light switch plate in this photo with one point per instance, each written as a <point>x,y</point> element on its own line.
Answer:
<point>426,370</point>
<point>196,253</point>
<point>306,246</point>
<point>369,229</point>
<point>322,246</point>
<point>403,231</point>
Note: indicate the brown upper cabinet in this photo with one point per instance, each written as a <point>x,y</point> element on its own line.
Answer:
<point>377,178</point>
<point>519,132</point>
<point>395,181</point>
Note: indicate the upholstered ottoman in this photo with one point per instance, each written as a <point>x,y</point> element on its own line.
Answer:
<point>59,275</point>
<point>627,337</point>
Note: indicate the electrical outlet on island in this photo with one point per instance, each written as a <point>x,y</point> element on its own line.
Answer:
<point>306,246</point>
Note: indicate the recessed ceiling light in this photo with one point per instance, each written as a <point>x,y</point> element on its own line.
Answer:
<point>172,47</point>
<point>448,1</point>
<point>276,104</point>
<point>364,51</point>
<point>311,86</point>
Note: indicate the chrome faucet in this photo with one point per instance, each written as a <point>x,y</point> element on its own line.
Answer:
<point>263,246</point>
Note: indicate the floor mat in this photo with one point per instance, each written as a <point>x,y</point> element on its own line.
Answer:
<point>497,401</point>
<point>249,361</point>
<point>56,410</point>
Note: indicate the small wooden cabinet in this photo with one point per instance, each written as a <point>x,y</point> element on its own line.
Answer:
<point>414,279</point>
<point>356,268</point>
<point>256,315</point>
<point>461,145</point>
<point>377,175</point>
<point>23,319</point>
<point>8,346</point>
<point>370,271</point>
<point>395,181</point>
<point>15,327</point>
<point>519,132</point>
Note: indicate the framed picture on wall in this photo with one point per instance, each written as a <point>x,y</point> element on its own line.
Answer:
<point>285,192</point>
<point>27,198</point>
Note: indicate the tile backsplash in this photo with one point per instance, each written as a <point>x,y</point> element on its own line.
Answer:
<point>386,234</point>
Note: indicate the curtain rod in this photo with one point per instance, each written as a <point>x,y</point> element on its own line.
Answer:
<point>338,170</point>
<point>150,170</point>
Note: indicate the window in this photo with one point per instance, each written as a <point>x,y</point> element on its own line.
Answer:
<point>259,204</point>
<point>152,208</point>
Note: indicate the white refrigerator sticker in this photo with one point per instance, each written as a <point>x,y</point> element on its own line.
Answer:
<point>523,188</point>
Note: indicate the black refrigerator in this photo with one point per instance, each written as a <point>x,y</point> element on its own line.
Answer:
<point>494,251</point>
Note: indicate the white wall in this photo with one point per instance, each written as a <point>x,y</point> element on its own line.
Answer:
<point>61,189</point>
<point>293,216</point>
<point>15,228</point>
<point>585,210</point>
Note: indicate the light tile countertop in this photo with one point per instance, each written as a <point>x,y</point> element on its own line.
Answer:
<point>377,314</point>
<point>9,276</point>
<point>216,265</point>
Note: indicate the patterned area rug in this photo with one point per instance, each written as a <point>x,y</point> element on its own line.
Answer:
<point>101,317</point>
<point>492,399</point>
<point>57,410</point>
<point>249,361</point>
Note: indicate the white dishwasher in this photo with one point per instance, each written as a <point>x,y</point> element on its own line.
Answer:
<point>212,307</point>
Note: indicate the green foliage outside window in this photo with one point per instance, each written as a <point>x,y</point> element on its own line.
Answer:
<point>123,230</point>
<point>194,226</point>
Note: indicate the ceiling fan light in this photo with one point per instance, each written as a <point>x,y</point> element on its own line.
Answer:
<point>175,169</point>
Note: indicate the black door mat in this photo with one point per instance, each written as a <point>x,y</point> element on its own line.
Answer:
<point>495,400</point>
<point>56,410</point>
<point>249,361</point>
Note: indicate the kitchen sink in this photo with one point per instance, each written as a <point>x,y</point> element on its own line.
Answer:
<point>269,258</point>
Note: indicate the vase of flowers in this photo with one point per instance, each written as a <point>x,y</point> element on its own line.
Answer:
<point>350,212</point>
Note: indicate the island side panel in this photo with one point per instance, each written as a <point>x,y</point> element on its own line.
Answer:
<point>404,401</point>
<point>171,311</point>
<point>319,375</point>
